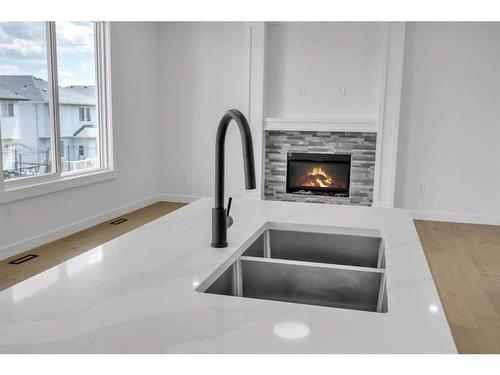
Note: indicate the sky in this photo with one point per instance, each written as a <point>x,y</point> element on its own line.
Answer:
<point>23,51</point>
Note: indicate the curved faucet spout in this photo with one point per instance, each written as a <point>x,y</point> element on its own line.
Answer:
<point>219,214</point>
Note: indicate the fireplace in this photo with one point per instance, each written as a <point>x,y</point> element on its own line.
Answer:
<point>318,174</point>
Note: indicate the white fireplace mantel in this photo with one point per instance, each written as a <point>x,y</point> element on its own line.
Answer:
<point>326,125</point>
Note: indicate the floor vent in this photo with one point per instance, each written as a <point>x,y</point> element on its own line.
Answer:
<point>23,259</point>
<point>118,221</point>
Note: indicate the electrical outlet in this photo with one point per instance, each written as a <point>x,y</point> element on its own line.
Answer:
<point>421,188</point>
<point>303,91</point>
<point>342,91</point>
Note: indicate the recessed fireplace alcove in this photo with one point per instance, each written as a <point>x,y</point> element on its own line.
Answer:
<point>318,174</point>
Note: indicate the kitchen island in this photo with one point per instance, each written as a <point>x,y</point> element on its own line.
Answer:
<point>143,292</point>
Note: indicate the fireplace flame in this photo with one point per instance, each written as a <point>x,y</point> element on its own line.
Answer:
<point>317,177</point>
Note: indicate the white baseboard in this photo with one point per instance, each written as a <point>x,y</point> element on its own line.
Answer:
<point>66,230</point>
<point>177,198</point>
<point>456,218</point>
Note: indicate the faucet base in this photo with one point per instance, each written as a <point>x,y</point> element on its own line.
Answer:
<point>217,245</point>
<point>219,227</point>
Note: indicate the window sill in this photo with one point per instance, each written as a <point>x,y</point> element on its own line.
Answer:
<point>62,183</point>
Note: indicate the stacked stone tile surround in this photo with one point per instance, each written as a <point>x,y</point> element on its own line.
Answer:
<point>360,145</point>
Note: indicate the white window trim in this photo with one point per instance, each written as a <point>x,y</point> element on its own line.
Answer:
<point>28,187</point>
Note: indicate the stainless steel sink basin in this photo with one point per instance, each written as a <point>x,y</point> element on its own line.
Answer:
<point>326,269</point>
<point>362,251</point>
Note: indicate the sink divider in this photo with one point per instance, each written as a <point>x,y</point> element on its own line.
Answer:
<point>311,264</point>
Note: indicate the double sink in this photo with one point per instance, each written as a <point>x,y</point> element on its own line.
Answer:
<point>308,267</point>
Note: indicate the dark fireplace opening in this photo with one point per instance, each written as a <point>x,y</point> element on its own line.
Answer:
<point>318,174</point>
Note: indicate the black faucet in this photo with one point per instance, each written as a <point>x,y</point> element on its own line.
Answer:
<point>220,216</point>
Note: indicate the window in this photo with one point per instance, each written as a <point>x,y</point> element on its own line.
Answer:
<point>7,110</point>
<point>55,75</point>
<point>84,114</point>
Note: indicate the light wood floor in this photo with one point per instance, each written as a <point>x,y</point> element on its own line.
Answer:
<point>464,260</point>
<point>465,263</point>
<point>68,247</point>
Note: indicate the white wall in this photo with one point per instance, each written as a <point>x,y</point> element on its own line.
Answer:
<point>309,63</point>
<point>135,63</point>
<point>450,122</point>
<point>204,72</point>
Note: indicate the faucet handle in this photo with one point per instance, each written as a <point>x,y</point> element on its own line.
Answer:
<point>229,201</point>
<point>229,218</point>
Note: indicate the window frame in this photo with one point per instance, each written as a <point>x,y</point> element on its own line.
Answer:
<point>56,180</point>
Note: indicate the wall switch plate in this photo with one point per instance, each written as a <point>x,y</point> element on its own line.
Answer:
<point>421,188</point>
<point>342,91</point>
<point>303,91</point>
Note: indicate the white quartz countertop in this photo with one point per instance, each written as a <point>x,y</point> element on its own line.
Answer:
<point>136,294</point>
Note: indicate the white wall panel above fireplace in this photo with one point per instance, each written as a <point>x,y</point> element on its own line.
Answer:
<point>324,69</point>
